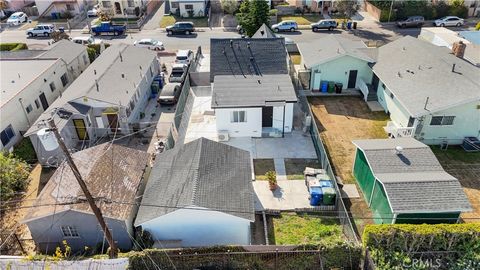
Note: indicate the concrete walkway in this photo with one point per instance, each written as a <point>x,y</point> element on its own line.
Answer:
<point>153,22</point>
<point>280,168</point>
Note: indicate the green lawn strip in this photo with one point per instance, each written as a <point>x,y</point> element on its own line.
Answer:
<point>293,229</point>
<point>296,166</point>
<point>455,154</point>
<point>301,19</point>
<point>171,19</point>
<point>262,166</point>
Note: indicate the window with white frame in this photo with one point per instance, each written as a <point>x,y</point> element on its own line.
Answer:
<point>99,121</point>
<point>238,117</point>
<point>7,135</point>
<point>29,108</point>
<point>442,120</point>
<point>70,231</point>
<point>189,7</point>
<point>106,4</point>
<point>52,86</point>
<point>64,79</point>
<point>131,3</point>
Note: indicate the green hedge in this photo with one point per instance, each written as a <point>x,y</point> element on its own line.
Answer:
<point>448,246</point>
<point>25,151</point>
<point>93,51</point>
<point>338,256</point>
<point>13,46</point>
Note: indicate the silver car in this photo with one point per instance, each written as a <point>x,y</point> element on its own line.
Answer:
<point>449,21</point>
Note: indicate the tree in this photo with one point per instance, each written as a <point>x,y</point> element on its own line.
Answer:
<point>229,6</point>
<point>57,36</point>
<point>3,4</point>
<point>252,15</point>
<point>347,7</point>
<point>13,174</point>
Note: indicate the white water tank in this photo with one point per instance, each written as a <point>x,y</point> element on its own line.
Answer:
<point>48,140</point>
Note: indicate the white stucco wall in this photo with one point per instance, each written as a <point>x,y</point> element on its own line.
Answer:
<point>398,114</point>
<point>198,7</point>
<point>200,228</point>
<point>251,128</point>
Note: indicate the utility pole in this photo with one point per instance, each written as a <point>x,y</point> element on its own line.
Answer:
<point>98,214</point>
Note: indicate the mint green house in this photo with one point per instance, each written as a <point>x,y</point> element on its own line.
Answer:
<point>403,182</point>
<point>337,59</point>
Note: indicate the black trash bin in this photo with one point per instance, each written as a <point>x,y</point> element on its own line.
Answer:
<point>354,25</point>
<point>338,88</point>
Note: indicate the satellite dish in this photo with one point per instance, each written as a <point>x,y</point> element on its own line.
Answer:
<point>48,140</point>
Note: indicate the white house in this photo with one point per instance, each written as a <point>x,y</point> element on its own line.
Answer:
<point>199,194</point>
<point>128,8</point>
<point>429,93</point>
<point>31,81</point>
<point>46,8</point>
<point>253,106</point>
<point>188,8</point>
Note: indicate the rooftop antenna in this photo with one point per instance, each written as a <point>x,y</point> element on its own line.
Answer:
<point>121,58</point>
<point>426,103</point>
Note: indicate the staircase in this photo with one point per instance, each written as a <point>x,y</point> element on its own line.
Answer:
<point>372,95</point>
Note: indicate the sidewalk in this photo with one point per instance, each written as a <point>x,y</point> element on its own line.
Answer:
<point>153,21</point>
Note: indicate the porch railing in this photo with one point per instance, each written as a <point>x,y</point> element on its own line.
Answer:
<point>398,132</point>
<point>362,86</point>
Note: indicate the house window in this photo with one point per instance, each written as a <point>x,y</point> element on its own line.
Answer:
<point>64,79</point>
<point>131,3</point>
<point>29,108</point>
<point>99,121</point>
<point>69,231</point>
<point>188,6</point>
<point>383,86</point>
<point>106,4</point>
<point>442,120</point>
<point>37,104</point>
<point>391,95</point>
<point>52,86</point>
<point>238,117</point>
<point>174,4</point>
<point>7,135</point>
<point>70,7</point>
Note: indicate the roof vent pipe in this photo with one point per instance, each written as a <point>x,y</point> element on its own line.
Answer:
<point>398,150</point>
<point>453,67</point>
<point>121,57</point>
<point>231,43</point>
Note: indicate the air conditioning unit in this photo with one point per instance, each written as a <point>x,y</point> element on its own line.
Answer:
<point>223,136</point>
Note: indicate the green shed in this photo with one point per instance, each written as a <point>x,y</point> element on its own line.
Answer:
<point>403,182</point>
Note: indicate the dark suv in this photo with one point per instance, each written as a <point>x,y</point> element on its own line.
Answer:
<point>324,24</point>
<point>413,21</point>
<point>181,28</point>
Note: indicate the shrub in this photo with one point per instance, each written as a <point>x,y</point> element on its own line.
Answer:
<point>229,6</point>
<point>92,54</point>
<point>14,174</point>
<point>57,36</point>
<point>273,12</point>
<point>96,47</point>
<point>66,15</point>
<point>13,46</point>
<point>477,27</point>
<point>25,151</point>
<point>455,245</point>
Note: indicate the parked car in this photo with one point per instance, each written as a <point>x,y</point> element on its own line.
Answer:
<point>149,43</point>
<point>17,18</point>
<point>449,21</point>
<point>324,24</point>
<point>184,57</point>
<point>170,94</point>
<point>181,28</point>
<point>93,12</point>
<point>412,21</point>
<point>86,40</point>
<point>178,74</point>
<point>285,26</point>
<point>41,30</point>
<point>108,27</point>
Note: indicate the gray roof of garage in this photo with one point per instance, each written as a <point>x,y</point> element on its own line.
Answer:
<point>202,173</point>
<point>252,91</point>
<point>413,178</point>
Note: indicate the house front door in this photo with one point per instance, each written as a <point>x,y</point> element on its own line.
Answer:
<point>113,121</point>
<point>352,79</point>
<point>118,8</point>
<point>375,81</point>
<point>81,129</point>
<point>44,101</point>
<point>316,81</point>
<point>267,116</point>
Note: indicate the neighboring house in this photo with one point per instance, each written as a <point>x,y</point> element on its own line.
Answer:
<point>107,99</point>
<point>253,106</point>
<point>57,8</point>
<point>337,59</point>
<point>31,81</point>
<point>113,175</point>
<point>128,8</point>
<point>445,37</point>
<point>314,5</point>
<point>189,8</point>
<point>17,5</point>
<point>199,194</point>
<point>429,93</point>
<point>403,182</point>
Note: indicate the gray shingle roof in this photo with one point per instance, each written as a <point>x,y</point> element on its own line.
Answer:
<point>64,49</point>
<point>414,69</point>
<point>202,173</point>
<point>247,56</point>
<point>413,179</point>
<point>112,172</point>
<point>325,49</point>
<point>251,91</point>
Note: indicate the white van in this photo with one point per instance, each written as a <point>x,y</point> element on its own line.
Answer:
<point>84,40</point>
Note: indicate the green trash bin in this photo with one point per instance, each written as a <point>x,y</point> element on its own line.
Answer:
<point>328,195</point>
<point>331,87</point>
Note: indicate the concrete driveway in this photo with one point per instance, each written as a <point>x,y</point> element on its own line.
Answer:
<point>290,195</point>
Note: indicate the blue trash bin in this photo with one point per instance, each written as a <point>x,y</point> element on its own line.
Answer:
<point>324,86</point>
<point>54,15</point>
<point>349,25</point>
<point>316,196</point>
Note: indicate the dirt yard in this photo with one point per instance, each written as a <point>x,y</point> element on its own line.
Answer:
<point>466,167</point>
<point>341,120</point>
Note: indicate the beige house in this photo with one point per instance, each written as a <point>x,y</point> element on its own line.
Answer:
<point>128,8</point>
<point>56,8</point>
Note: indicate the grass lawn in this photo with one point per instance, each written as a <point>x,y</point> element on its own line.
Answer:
<point>301,19</point>
<point>261,166</point>
<point>296,58</point>
<point>455,153</point>
<point>293,229</point>
<point>296,166</point>
<point>171,19</point>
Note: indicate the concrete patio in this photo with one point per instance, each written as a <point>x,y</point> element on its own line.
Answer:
<point>290,195</point>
